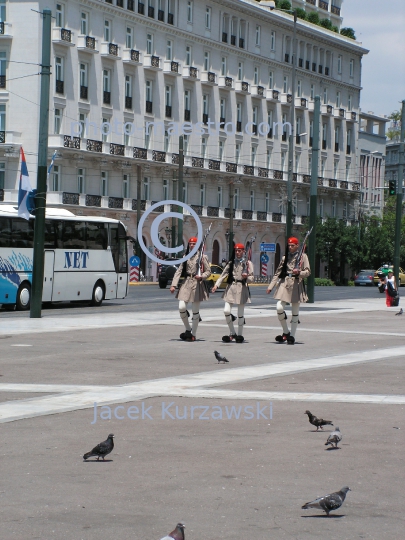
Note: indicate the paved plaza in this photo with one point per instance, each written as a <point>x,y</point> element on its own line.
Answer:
<point>225,448</point>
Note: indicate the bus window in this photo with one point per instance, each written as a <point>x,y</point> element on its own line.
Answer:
<point>49,242</point>
<point>23,233</point>
<point>71,235</point>
<point>96,235</point>
<point>5,232</point>
<point>118,246</point>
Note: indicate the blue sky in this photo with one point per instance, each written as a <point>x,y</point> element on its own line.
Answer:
<point>380,26</point>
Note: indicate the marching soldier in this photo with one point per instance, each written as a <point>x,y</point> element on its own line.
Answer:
<point>288,280</point>
<point>240,273</point>
<point>192,290</point>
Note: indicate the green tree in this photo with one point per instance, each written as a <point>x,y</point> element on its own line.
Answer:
<point>326,24</point>
<point>313,17</point>
<point>301,13</point>
<point>348,32</point>
<point>284,4</point>
<point>394,132</point>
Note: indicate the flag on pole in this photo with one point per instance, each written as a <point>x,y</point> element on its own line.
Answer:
<point>50,168</point>
<point>24,190</point>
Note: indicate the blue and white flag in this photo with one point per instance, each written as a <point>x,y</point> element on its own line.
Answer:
<point>50,168</point>
<point>25,190</point>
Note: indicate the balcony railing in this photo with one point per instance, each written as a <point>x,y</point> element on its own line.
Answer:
<point>90,43</point>
<point>313,2</point>
<point>159,156</point>
<point>130,5</point>
<point>344,184</point>
<point>227,213</point>
<point>224,37</point>
<point>175,159</point>
<point>241,43</point>
<point>1,194</point>
<point>140,153</point>
<point>83,92</point>
<point>212,211</point>
<point>149,106</point>
<point>65,35</point>
<point>326,70</point>
<point>247,214</point>
<point>263,173</point>
<point>233,40</point>
<point>228,82</point>
<point>134,204</point>
<point>332,183</point>
<point>151,12</point>
<point>117,149</point>
<point>324,5</point>
<point>161,15</point>
<point>231,167</point>
<point>277,175</point>
<point>261,216</point>
<point>214,165</point>
<point>205,118</point>
<point>93,200</point>
<point>1,28</point>
<point>128,102</point>
<point>141,8</point>
<point>211,77</point>
<point>106,97</point>
<point>174,67</point>
<point>71,142</point>
<point>168,111</point>
<point>134,55</point>
<point>113,49</point>
<point>197,209</point>
<point>248,169</point>
<point>276,217</point>
<point>70,198</point>
<point>59,86</point>
<point>306,178</point>
<point>335,10</point>
<point>115,202</point>
<point>356,186</point>
<point>197,162</point>
<point>170,18</point>
<point>94,146</point>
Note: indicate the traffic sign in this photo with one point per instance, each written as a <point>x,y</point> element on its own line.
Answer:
<point>268,247</point>
<point>134,261</point>
<point>264,258</point>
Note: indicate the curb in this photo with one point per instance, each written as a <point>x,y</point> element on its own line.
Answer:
<point>141,283</point>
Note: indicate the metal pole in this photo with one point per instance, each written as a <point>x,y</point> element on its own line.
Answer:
<point>231,196</point>
<point>138,206</point>
<point>175,199</point>
<point>40,198</point>
<point>398,212</point>
<point>313,199</point>
<point>180,191</point>
<point>289,217</point>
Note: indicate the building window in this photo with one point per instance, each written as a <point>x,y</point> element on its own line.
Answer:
<point>59,75</point>
<point>3,13</point>
<point>268,158</point>
<point>56,178</point>
<point>107,30</point>
<point>334,208</point>
<point>186,140</point>
<point>2,175</point>
<point>350,102</point>
<point>252,201</point>
<point>149,44</point>
<point>220,197</point>
<point>257,36</point>
<point>323,167</point>
<point>166,189</point>
<point>299,88</point>
<point>347,176</point>
<point>271,80</point>
<point>57,121</point>
<point>283,160</point>
<point>84,23</point>
<point>324,136</point>
<point>203,147</point>
<point>149,96</point>
<point>187,100</point>
<point>189,11</point>
<point>335,169</point>
<point>321,207</point>
<point>105,130</point>
<point>125,186</point>
<point>202,194</point>
<point>80,180</point>
<point>148,135</point>
<point>146,188</point>
<point>169,49</point>
<point>220,150</point>
<point>106,86</point>
<point>312,91</point>
<point>83,77</point>
<point>339,64</point>
<point>60,17</point>
<point>351,68</point>
<point>222,110</point>
<point>188,55</point>
<point>273,40</point>
<point>285,84</point>
<point>240,71</point>
<point>167,141</point>
<point>237,153</point>
<point>223,66</point>
<point>337,138</point>
<point>208,18</point>
<point>344,212</point>
<point>185,192</point>
<point>325,96</point>
<point>297,162</point>
<point>82,122</point>
<point>129,38</point>
<point>206,61</point>
<point>236,198</point>
<point>205,107</point>
<point>255,115</point>
<point>267,202</point>
<point>256,76</point>
<point>338,99</point>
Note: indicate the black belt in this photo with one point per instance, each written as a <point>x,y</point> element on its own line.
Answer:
<point>191,275</point>
<point>239,281</point>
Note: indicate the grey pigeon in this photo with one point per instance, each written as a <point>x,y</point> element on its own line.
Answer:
<point>329,502</point>
<point>317,422</point>
<point>220,357</point>
<point>102,449</point>
<point>334,437</point>
<point>400,312</point>
<point>176,534</point>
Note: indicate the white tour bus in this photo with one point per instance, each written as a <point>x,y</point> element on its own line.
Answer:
<point>85,258</point>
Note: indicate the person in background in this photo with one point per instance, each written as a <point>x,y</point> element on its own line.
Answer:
<point>390,283</point>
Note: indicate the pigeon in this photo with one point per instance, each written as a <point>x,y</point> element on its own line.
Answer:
<point>318,422</point>
<point>102,449</point>
<point>328,502</point>
<point>400,312</point>
<point>176,534</point>
<point>334,437</point>
<point>220,357</point>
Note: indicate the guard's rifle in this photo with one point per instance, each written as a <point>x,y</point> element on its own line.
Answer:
<point>201,252</point>
<point>301,251</point>
<point>248,255</point>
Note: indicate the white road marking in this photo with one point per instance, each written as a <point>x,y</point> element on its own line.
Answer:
<point>78,397</point>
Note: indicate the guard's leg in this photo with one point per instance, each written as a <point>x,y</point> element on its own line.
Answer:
<point>196,318</point>
<point>282,317</point>
<point>229,321</point>
<point>241,322</point>
<point>295,309</point>
<point>184,317</point>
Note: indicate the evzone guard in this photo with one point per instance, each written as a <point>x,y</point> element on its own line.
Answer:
<point>240,272</point>
<point>193,290</point>
<point>288,281</point>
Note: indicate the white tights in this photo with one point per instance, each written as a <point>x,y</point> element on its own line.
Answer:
<point>282,316</point>
<point>229,321</point>
<point>195,306</point>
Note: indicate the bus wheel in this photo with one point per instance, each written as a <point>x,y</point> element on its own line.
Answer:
<point>23,300</point>
<point>98,294</point>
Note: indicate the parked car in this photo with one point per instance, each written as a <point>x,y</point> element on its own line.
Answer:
<point>216,271</point>
<point>364,277</point>
<point>166,274</point>
<point>383,270</point>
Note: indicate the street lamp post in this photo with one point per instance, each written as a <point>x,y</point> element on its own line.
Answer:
<point>399,196</point>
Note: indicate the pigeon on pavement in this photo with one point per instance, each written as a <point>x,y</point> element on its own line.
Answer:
<point>400,312</point>
<point>220,357</point>
<point>334,437</point>
<point>318,422</point>
<point>328,502</point>
<point>176,534</point>
<point>102,449</point>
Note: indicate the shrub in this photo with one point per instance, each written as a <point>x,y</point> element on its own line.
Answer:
<point>284,4</point>
<point>348,32</point>
<point>313,18</point>
<point>324,282</point>
<point>335,29</point>
<point>350,283</point>
<point>301,13</point>
<point>326,24</point>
